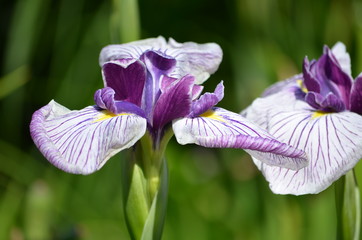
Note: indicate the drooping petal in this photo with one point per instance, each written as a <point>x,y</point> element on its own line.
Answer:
<point>82,141</point>
<point>332,142</point>
<point>174,103</point>
<point>130,50</point>
<point>127,80</point>
<point>199,60</point>
<point>356,96</point>
<point>224,129</point>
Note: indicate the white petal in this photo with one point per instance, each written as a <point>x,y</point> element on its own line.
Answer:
<point>223,129</point>
<point>199,60</point>
<point>131,50</point>
<point>82,141</point>
<point>332,142</point>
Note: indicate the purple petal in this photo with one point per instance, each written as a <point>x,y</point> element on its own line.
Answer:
<point>174,103</point>
<point>342,80</point>
<point>329,103</point>
<point>342,57</point>
<point>224,129</point>
<point>310,79</point>
<point>167,82</point>
<point>356,96</point>
<point>158,66</point>
<point>332,142</point>
<point>127,81</point>
<point>196,91</point>
<point>199,60</point>
<point>207,101</point>
<point>130,50</point>
<point>82,141</point>
<point>104,99</point>
<point>158,61</point>
<point>333,102</point>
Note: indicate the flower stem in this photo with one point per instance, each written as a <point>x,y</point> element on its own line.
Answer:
<point>348,208</point>
<point>145,187</point>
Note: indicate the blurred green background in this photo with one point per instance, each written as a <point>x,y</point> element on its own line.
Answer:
<point>49,50</point>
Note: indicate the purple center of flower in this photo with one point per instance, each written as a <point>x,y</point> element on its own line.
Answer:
<point>329,86</point>
<point>144,87</point>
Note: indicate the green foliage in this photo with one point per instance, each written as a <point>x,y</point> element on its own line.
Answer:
<point>50,49</point>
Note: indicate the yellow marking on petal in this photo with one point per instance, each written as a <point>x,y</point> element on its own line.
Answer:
<point>318,114</point>
<point>300,83</point>
<point>105,114</point>
<point>211,114</point>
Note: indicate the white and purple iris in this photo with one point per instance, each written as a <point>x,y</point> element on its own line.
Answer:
<point>152,87</point>
<point>318,111</point>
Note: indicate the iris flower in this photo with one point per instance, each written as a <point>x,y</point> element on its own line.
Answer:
<point>318,111</point>
<point>152,89</point>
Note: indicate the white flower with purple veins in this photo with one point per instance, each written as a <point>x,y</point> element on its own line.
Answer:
<point>318,111</point>
<point>152,87</point>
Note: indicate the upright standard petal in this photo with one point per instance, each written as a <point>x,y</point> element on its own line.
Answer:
<point>127,80</point>
<point>82,141</point>
<point>332,142</point>
<point>130,50</point>
<point>199,60</point>
<point>223,129</point>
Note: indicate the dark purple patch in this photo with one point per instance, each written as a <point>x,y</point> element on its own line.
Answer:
<point>356,96</point>
<point>174,103</point>
<point>128,82</point>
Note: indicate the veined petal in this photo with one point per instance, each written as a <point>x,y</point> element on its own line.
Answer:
<point>174,103</point>
<point>199,60</point>
<point>130,50</point>
<point>332,142</point>
<point>223,129</point>
<point>82,141</point>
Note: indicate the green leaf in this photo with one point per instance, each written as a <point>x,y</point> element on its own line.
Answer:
<point>348,207</point>
<point>156,218</point>
<point>136,204</point>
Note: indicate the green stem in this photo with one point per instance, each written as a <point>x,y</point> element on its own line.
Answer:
<point>348,207</point>
<point>145,187</point>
